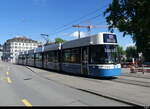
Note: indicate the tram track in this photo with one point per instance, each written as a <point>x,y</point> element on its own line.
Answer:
<point>136,76</point>
<point>132,82</point>
<point>109,97</point>
<point>100,94</point>
<point>124,81</point>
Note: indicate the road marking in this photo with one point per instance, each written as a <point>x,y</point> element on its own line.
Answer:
<point>26,103</point>
<point>9,80</point>
<point>7,73</point>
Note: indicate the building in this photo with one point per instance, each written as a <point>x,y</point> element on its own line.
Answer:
<point>1,52</point>
<point>12,47</point>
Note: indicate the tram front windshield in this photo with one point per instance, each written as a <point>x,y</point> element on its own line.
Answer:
<point>104,54</point>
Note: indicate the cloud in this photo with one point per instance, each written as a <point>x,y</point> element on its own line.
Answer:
<point>130,44</point>
<point>76,34</point>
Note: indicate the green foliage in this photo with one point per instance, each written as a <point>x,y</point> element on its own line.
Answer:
<point>120,50</point>
<point>121,53</point>
<point>59,40</point>
<point>131,17</point>
<point>131,52</point>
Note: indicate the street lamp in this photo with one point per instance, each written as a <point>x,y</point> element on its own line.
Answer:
<point>46,37</point>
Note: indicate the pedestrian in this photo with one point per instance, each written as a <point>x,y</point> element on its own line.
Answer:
<point>132,68</point>
<point>143,69</point>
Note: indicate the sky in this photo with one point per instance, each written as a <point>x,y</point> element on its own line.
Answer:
<point>31,18</point>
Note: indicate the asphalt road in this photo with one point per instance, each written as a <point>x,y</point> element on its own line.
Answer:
<point>134,94</point>
<point>21,87</point>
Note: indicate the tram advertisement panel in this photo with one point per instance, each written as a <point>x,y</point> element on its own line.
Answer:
<point>110,38</point>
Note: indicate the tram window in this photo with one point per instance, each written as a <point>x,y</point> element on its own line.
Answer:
<point>20,57</point>
<point>23,57</point>
<point>46,57</point>
<point>66,56</point>
<point>56,57</point>
<point>71,55</point>
<point>38,57</point>
<point>103,54</point>
<point>97,55</point>
<point>53,56</point>
<point>29,57</point>
<point>75,56</point>
<point>50,56</point>
<point>32,56</point>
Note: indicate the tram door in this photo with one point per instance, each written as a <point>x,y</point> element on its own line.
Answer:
<point>84,60</point>
<point>45,59</point>
<point>42,60</point>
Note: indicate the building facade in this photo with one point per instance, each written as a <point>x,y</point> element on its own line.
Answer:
<point>12,47</point>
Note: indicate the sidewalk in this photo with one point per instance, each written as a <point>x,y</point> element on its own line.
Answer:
<point>127,72</point>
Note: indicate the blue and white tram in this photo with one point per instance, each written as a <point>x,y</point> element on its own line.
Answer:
<point>95,55</point>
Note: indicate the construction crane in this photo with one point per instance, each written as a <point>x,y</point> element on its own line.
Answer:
<point>89,27</point>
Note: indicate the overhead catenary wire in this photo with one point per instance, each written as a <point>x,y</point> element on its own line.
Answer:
<point>70,27</point>
<point>62,28</point>
<point>70,23</point>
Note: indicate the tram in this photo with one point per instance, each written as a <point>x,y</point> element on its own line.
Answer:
<point>94,55</point>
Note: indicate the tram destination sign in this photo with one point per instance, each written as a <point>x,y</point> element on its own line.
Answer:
<point>110,38</point>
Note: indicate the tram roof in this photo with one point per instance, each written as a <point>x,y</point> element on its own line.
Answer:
<point>52,47</point>
<point>86,41</point>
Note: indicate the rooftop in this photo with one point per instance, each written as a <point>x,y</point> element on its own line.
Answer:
<point>22,39</point>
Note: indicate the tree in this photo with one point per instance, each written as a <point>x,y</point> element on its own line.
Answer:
<point>120,50</point>
<point>131,52</point>
<point>121,53</point>
<point>59,40</point>
<point>131,17</point>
